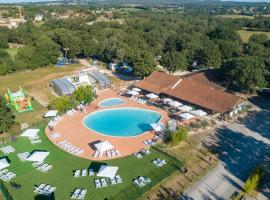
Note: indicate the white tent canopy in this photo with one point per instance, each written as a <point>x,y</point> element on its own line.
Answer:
<point>151,96</point>
<point>175,104</point>
<point>132,92</point>
<point>51,113</point>
<point>38,156</point>
<point>104,146</point>
<point>107,171</point>
<point>185,108</point>
<point>30,132</point>
<point>199,113</point>
<point>3,163</point>
<point>167,100</point>
<point>136,89</point>
<point>186,116</point>
<point>157,126</point>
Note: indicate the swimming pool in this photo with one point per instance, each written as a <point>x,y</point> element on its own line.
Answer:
<point>112,102</point>
<point>122,122</point>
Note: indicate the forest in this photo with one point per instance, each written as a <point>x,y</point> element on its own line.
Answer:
<point>177,41</point>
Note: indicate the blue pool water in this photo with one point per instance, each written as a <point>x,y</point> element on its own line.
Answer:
<point>122,122</point>
<point>112,102</point>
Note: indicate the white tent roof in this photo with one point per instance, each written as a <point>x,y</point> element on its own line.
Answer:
<point>3,163</point>
<point>151,96</point>
<point>186,116</point>
<point>199,113</point>
<point>104,146</point>
<point>184,108</point>
<point>133,92</point>
<point>30,132</point>
<point>38,156</point>
<point>157,126</point>
<point>51,113</point>
<point>167,100</point>
<point>107,171</point>
<point>175,104</point>
<point>136,89</point>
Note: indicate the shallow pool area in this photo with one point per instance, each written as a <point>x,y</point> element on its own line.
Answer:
<point>112,102</point>
<point>122,122</point>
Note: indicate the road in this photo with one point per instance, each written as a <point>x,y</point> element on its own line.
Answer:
<point>240,146</point>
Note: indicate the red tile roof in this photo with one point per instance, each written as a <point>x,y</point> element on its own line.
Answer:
<point>194,90</point>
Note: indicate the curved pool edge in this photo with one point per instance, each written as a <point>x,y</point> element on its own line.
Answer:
<point>124,101</point>
<point>134,136</point>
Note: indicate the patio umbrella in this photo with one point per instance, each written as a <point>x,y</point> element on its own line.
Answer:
<point>185,108</point>
<point>104,146</point>
<point>186,116</point>
<point>132,92</point>
<point>38,156</point>
<point>151,96</point>
<point>51,113</point>
<point>157,127</point>
<point>107,171</point>
<point>30,132</point>
<point>175,104</point>
<point>136,89</point>
<point>3,163</point>
<point>199,113</point>
<point>167,100</point>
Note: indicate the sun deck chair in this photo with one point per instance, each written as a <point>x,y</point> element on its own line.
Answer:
<point>113,153</point>
<point>109,154</point>
<point>77,173</point>
<point>103,182</point>
<point>97,183</point>
<point>118,179</point>
<point>91,172</point>
<point>84,172</point>
<point>113,181</point>
<point>96,154</point>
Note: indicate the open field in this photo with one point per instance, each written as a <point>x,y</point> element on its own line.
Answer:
<point>61,175</point>
<point>245,34</point>
<point>35,82</point>
<point>236,16</point>
<point>12,52</point>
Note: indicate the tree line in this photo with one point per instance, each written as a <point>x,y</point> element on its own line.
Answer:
<point>145,39</point>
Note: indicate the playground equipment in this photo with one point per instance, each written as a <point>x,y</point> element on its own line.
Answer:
<point>19,101</point>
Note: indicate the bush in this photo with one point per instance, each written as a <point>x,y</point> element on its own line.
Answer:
<point>63,103</point>
<point>84,94</point>
<point>176,137</point>
<point>15,128</point>
<point>254,179</point>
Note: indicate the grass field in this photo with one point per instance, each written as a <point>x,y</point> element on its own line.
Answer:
<point>12,52</point>
<point>35,82</point>
<point>245,34</point>
<point>61,175</point>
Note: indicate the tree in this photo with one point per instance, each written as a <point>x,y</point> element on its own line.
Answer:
<point>143,63</point>
<point>63,103</point>
<point>229,48</point>
<point>7,116</point>
<point>3,41</point>
<point>174,61</point>
<point>246,73</point>
<point>259,38</point>
<point>209,55</point>
<point>7,65</point>
<point>224,34</point>
<point>254,179</point>
<point>84,94</point>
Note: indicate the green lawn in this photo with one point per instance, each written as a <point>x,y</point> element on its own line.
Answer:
<point>61,175</point>
<point>245,34</point>
<point>12,52</point>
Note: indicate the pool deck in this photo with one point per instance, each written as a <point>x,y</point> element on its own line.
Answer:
<point>72,129</point>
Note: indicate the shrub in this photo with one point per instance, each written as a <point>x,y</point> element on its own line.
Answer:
<point>254,179</point>
<point>179,135</point>
<point>63,103</point>
<point>84,94</point>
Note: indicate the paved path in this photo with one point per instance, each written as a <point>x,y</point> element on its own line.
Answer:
<point>241,147</point>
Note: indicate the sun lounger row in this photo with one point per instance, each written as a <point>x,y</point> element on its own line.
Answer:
<point>149,143</point>
<point>55,120</point>
<point>139,100</point>
<point>71,112</point>
<point>141,181</point>
<point>5,175</point>
<point>159,163</point>
<point>43,167</point>
<point>105,182</point>
<point>79,193</point>
<point>83,173</point>
<point>141,153</point>
<point>109,154</point>
<point>55,135</point>
<point>44,189</point>
<point>35,141</point>
<point>7,150</point>
<point>23,156</point>
<point>65,145</point>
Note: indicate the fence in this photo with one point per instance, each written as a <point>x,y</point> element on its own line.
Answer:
<point>5,191</point>
<point>132,192</point>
